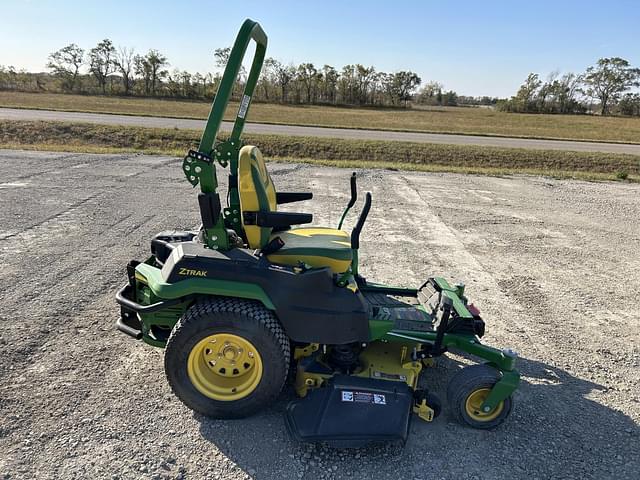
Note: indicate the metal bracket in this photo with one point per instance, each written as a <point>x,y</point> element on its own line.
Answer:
<point>224,152</point>
<point>194,164</point>
<point>501,390</point>
<point>424,411</point>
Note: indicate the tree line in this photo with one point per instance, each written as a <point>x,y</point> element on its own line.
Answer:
<point>107,70</point>
<point>605,88</point>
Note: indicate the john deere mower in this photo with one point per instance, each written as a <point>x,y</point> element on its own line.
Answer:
<point>250,301</point>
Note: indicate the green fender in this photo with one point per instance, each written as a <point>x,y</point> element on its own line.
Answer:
<point>202,286</point>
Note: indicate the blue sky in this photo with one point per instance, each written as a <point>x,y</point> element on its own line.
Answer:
<point>474,47</point>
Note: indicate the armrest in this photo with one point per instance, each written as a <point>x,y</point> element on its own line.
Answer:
<point>289,197</point>
<point>276,219</point>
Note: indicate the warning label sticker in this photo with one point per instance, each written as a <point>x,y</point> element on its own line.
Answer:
<point>363,397</point>
<point>389,376</point>
<point>244,105</point>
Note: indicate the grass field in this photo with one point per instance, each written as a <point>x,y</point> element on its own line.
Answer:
<point>475,121</point>
<point>83,137</point>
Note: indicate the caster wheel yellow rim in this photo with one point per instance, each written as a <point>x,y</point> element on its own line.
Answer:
<point>475,401</point>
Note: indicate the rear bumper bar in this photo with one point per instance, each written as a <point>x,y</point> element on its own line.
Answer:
<point>124,297</point>
<point>132,331</point>
<point>129,322</point>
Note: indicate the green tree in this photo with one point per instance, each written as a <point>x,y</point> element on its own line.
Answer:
<point>402,85</point>
<point>307,74</point>
<point>629,104</point>
<point>525,98</point>
<point>364,78</point>
<point>450,98</point>
<point>347,85</point>
<point>151,69</point>
<point>609,79</point>
<point>430,92</point>
<point>65,64</point>
<point>329,81</point>
<point>101,62</point>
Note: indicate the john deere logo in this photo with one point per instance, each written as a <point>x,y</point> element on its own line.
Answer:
<point>192,273</point>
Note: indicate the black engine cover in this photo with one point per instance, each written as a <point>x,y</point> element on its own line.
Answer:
<point>310,306</point>
<point>350,412</point>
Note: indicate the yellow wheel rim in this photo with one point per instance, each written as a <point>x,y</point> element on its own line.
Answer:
<point>475,401</point>
<point>224,367</point>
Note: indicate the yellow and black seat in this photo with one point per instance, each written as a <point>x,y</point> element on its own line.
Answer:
<point>313,246</point>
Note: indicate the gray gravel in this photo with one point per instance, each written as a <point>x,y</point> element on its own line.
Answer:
<point>553,265</point>
<point>324,132</point>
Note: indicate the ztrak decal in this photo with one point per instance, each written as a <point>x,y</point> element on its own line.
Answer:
<point>193,273</point>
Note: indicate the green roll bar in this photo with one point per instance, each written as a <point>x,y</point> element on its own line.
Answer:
<point>249,30</point>
<point>199,166</point>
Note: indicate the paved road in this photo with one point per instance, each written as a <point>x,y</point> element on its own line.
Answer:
<point>163,122</point>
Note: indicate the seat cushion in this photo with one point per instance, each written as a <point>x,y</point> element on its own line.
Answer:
<point>314,246</point>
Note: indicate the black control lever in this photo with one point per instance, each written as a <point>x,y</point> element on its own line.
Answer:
<point>352,200</point>
<point>355,234</point>
<point>354,191</point>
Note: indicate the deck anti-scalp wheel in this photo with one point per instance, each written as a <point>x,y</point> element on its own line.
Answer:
<point>227,358</point>
<point>467,391</point>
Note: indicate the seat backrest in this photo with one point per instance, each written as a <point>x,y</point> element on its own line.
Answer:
<point>257,193</point>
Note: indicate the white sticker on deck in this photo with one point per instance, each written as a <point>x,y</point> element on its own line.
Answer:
<point>379,399</point>
<point>244,105</point>
<point>347,396</point>
<point>363,397</point>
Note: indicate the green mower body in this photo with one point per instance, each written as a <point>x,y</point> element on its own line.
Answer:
<point>247,298</point>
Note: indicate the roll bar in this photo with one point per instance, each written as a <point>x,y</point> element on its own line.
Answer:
<point>199,165</point>
<point>250,30</point>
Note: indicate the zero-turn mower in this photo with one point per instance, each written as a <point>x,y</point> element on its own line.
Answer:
<point>250,300</point>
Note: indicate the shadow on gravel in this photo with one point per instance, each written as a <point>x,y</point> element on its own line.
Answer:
<point>557,428</point>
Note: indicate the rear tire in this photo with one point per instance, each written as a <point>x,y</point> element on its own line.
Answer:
<point>467,390</point>
<point>227,357</point>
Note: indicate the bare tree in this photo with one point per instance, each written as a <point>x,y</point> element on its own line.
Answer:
<point>124,62</point>
<point>65,64</point>
<point>283,74</point>
<point>222,56</point>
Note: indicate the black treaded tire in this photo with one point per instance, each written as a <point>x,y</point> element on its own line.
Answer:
<point>246,318</point>
<point>467,381</point>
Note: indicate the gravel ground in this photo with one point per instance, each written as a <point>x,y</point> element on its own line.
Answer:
<point>553,265</point>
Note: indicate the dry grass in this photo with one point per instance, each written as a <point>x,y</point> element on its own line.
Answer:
<point>476,121</point>
<point>82,137</point>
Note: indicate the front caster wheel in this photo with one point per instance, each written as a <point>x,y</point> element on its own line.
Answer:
<point>467,391</point>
